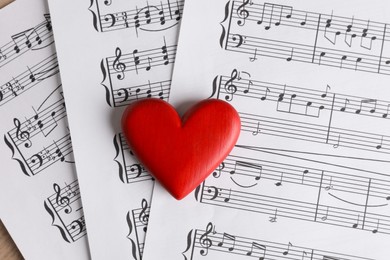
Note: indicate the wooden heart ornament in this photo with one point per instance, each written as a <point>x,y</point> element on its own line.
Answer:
<point>181,153</point>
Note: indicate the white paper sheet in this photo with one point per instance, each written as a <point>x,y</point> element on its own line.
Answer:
<point>121,51</point>
<point>39,196</point>
<point>308,178</point>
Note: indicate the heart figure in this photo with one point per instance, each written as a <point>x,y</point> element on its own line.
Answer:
<point>181,153</point>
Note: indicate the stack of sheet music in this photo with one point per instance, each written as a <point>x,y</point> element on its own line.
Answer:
<point>308,179</point>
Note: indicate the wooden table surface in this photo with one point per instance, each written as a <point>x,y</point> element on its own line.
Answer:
<point>8,249</point>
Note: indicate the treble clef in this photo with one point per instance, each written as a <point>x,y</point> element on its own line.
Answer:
<point>230,88</point>
<point>23,136</point>
<point>243,13</point>
<point>205,241</point>
<point>144,216</point>
<point>119,66</point>
<point>62,201</point>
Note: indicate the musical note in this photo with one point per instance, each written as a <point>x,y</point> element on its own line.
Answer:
<point>177,11</point>
<point>231,240</point>
<point>258,130</point>
<point>58,152</point>
<point>385,115</point>
<point>366,42</point>
<point>247,168</point>
<point>348,36</point>
<point>254,58</point>
<point>257,248</point>
<point>162,15</point>
<point>119,66</point>
<point>355,225</point>
<point>346,102</point>
<point>246,91</point>
<point>375,230</point>
<point>325,217</point>
<point>279,10</point>
<point>274,218</point>
<point>379,146</point>
<point>327,28</point>
<point>291,55</point>
<point>165,53</point>
<point>280,182</point>
<point>267,90</point>
<point>303,23</point>
<point>288,249</point>
<point>148,68</point>
<point>227,198</point>
<point>304,173</point>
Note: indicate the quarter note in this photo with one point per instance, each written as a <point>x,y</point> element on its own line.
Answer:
<point>325,217</point>
<point>358,60</point>
<point>136,60</point>
<point>165,53</point>
<point>379,146</point>
<point>161,93</point>
<point>303,23</point>
<point>161,13</point>
<point>280,182</point>
<point>355,225</point>
<point>291,55</point>
<point>177,12</point>
<point>147,15</point>
<point>375,230</point>
<point>385,115</point>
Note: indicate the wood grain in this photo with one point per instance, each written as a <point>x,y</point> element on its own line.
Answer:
<point>8,249</point>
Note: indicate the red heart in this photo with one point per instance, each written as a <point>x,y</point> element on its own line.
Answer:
<point>180,154</point>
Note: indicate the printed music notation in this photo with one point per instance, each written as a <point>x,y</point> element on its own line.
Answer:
<point>120,88</point>
<point>35,38</point>
<point>64,207</point>
<point>137,221</point>
<point>33,76</point>
<point>40,141</point>
<point>148,18</point>
<point>266,30</point>
<point>130,170</point>
<point>211,243</point>
<point>316,114</point>
<point>346,198</point>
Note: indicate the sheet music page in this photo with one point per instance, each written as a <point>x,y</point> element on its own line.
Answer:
<point>122,51</point>
<point>308,178</point>
<point>39,194</point>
